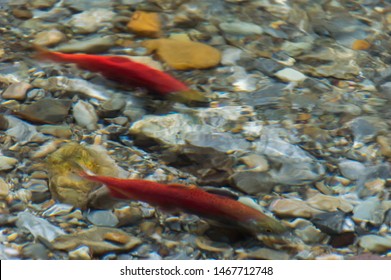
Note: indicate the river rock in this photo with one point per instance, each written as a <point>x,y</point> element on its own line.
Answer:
<point>85,115</point>
<point>7,163</point>
<point>145,24</point>
<point>182,55</point>
<point>38,227</point>
<point>42,4</point>
<point>102,218</point>
<point>59,131</point>
<point>375,243</point>
<point>80,253</point>
<point>46,111</point>
<point>289,207</point>
<point>351,169</point>
<point>17,91</point>
<point>370,210</point>
<point>91,45</point>
<point>290,75</point>
<point>49,38</point>
<point>4,188</point>
<point>91,21</point>
<point>100,240</point>
<point>241,28</point>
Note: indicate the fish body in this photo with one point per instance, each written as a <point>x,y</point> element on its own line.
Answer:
<point>127,72</point>
<point>193,200</point>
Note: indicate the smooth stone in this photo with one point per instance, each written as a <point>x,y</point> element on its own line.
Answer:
<point>46,111</point>
<point>49,38</point>
<point>97,240</point>
<point>375,243</point>
<point>330,223</point>
<point>42,4</point>
<point>38,227</point>
<point>103,218</point>
<point>91,21</point>
<point>22,13</point>
<point>370,210</point>
<point>80,253</point>
<point>85,115</point>
<point>289,207</point>
<point>145,24</point>
<point>35,251</point>
<point>94,45</point>
<point>17,91</point>
<point>351,169</point>
<point>329,203</point>
<point>182,55</point>
<point>241,28</point>
<point>252,182</point>
<point>230,56</point>
<point>385,144</point>
<point>7,163</point>
<point>59,131</point>
<point>290,75</point>
<point>4,188</point>
<point>21,131</point>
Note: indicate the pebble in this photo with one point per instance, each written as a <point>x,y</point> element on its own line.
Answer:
<point>91,45</point>
<point>351,169</point>
<point>35,251</point>
<point>290,75</point>
<point>59,131</point>
<point>49,38</point>
<point>80,253</point>
<point>329,203</point>
<point>46,111</point>
<point>230,56</point>
<point>22,13</point>
<point>96,239</point>
<point>375,243</point>
<point>290,207</point>
<point>182,55</point>
<point>4,188</point>
<point>145,24</point>
<point>370,210</point>
<point>360,45</point>
<point>241,28</point>
<point>17,91</point>
<point>7,163</point>
<point>330,223</point>
<point>38,227</point>
<point>91,21</point>
<point>102,218</point>
<point>85,115</point>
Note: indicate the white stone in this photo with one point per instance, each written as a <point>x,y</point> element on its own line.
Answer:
<point>290,75</point>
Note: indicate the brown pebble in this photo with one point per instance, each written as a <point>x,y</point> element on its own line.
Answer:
<point>22,13</point>
<point>116,237</point>
<point>361,45</point>
<point>145,24</point>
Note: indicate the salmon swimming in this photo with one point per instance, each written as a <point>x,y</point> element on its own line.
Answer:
<point>127,72</point>
<point>191,199</point>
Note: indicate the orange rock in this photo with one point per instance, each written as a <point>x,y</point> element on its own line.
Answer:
<point>183,55</point>
<point>359,45</point>
<point>145,24</point>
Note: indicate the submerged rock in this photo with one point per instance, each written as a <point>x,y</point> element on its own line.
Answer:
<point>91,21</point>
<point>145,24</point>
<point>99,240</point>
<point>17,91</point>
<point>38,227</point>
<point>182,55</point>
<point>375,243</point>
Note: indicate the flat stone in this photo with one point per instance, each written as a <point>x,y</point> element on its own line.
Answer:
<point>182,55</point>
<point>91,21</point>
<point>375,243</point>
<point>46,111</point>
<point>4,188</point>
<point>145,24</point>
<point>290,75</point>
<point>95,239</point>
<point>94,45</point>
<point>17,91</point>
<point>7,163</point>
<point>49,38</point>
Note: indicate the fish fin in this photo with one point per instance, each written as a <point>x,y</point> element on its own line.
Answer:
<point>182,186</point>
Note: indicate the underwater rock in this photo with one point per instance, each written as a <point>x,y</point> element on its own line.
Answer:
<point>98,239</point>
<point>91,21</point>
<point>375,243</point>
<point>80,253</point>
<point>290,75</point>
<point>289,207</point>
<point>17,91</point>
<point>59,131</point>
<point>145,24</point>
<point>72,85</point>
<point>329,203</point>
<point>21,131</point>
<point>240,28</point>
<point>351,169</point>
<point>46,111</point>
<point>91,45</point>
<point>366,128</point>
<point>182,55</point>
<point>4,188</point>
<point>370,210</point>
<point>102,218</point>
<point>38,227</point>
<point>330,223</point>
<point>49,38</point>
<point>85,115</point>
<point>7,163</point>
<point>69,188</point>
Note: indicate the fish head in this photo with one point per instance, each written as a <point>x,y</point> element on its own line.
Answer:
<point>268,225</point>
<point>189,97</point>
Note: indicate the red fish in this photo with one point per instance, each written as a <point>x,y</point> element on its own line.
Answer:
<point>127,72</point>
<point>191,199</point>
